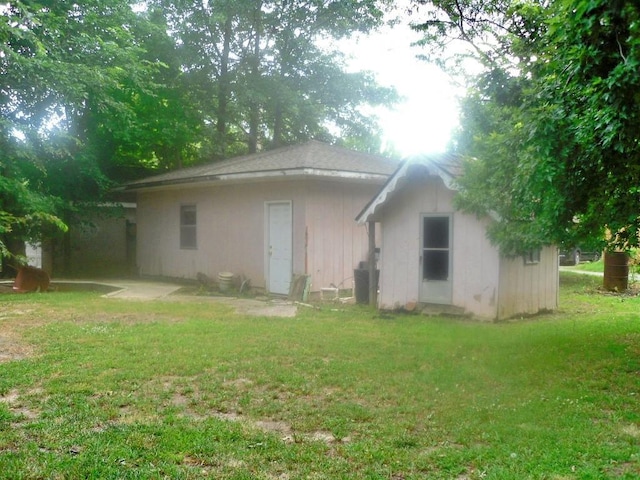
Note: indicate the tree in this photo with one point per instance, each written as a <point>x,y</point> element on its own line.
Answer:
<point>591,87</point>
<point>24,213</point>
<point>261,76</point>
<point>553,118</point>
<point>84,100</point>
<point>96,92</point>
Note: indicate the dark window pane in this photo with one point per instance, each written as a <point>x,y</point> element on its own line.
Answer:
<point>188,237</point>
<point>435,265</point>
<point>532,257</point>
<point>436,232</point>
<point>188,226</point>
<point>188,215</point>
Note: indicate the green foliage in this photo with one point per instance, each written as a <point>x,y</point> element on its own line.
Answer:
<point>552,121</point>
<point>593,82</point>
<point>24,213</point>
<point>81,106</point>
<point>262,80</point>
<point>98,92</point>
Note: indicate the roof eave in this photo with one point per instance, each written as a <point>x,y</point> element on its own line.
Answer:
<point>370,212</point>
<point>259,176</point>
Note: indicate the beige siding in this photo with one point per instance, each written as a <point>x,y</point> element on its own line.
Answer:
<point>476,267</point>
<point>336,243</point>
<point>399,252</point>
<point>529,289</point>
<point>327,242</point>
<point>475,261</point>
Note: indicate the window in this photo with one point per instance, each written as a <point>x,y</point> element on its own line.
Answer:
<point>435,248</point>
<point>188,227</point>
<point>532,257</point>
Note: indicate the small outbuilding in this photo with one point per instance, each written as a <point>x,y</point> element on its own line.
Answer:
<point>266,217</point>
<point>433,256</point>
<point>103,244</point>
<point>99,243</point>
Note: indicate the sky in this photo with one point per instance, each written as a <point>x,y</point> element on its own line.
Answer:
<point>424,119</point>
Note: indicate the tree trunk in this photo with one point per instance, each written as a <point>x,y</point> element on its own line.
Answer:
<point>223,90</point>
<point>277,124</point>
<point>254,114</point>
<point>66,252</point>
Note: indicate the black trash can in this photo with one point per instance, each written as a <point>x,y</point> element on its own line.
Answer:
<point>361,280</point>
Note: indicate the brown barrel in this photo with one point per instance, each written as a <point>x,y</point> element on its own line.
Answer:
<point>31,279</point>
<point>616,271</point>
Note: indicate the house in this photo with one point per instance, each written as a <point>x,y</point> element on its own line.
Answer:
<point>264,216</point>
<point>434,255</point>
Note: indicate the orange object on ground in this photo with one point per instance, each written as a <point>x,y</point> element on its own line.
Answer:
<point>31,279</point>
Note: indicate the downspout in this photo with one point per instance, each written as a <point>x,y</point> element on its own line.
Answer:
<point>306,250</point>
<point>373,290</point>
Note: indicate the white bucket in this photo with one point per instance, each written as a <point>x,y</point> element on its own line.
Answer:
<point>225,281</point>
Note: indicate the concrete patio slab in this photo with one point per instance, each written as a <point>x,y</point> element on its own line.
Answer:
<point>147,290</point>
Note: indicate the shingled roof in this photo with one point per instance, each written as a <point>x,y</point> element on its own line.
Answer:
<point>312,158</point>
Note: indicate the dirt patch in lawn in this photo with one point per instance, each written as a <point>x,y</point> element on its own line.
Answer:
<point>188,401</point>
<point>12,321</point>
<point>286,433</point>
<point>12,349</point>
<point>253,307</point>
<point>14,403</point>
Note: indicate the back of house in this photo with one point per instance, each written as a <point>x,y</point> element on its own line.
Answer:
<point>263,217</point>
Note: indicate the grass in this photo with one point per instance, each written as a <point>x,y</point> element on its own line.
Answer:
<point>105,388</point>
<point>598,266</point>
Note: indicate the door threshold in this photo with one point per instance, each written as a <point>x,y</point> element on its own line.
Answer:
<point>441,309</point>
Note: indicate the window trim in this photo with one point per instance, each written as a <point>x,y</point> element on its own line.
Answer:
<point>532,257</point>
<point>448,249</point>
<point>188,231</point>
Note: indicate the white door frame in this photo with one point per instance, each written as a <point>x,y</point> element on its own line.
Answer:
<point>436,290</point>
<point>279,284</point>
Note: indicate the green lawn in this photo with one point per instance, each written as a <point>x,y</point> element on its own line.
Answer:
<point>634,265</point>
<point>591,266</point>
<point>106,388</point>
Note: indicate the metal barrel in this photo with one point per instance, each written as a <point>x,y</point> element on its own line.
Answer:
<point>616,271</point>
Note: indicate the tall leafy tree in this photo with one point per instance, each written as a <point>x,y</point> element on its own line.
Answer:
<point>97,91</point>
<point>84,100</point>
<point>590,88</point>
<point>262,77</point>
<point>552,120</point>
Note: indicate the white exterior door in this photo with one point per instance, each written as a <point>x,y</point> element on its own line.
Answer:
<point>279,248</point>
<point>435,259</point>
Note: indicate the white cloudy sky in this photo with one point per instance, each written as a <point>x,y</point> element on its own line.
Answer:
<point>423,121</point>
